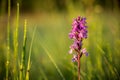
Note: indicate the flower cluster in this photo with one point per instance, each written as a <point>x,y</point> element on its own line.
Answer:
<point>78,33</point>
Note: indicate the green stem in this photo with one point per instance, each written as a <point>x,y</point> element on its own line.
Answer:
<point>16,44</point>
<point>8,41</point>
<point>29,57</point>
<point>22,65</point>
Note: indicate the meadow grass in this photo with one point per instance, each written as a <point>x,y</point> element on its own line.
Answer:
<point>29,57</point>
<point>22,63</point>
<point>8,42</point>
<point>44,51</point>
<point>19,71</point>
<point>15,43</point>
<point>52,60</point>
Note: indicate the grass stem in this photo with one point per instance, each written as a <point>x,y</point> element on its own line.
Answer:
<point>16,44</point>
<point>22,64</point>
<point>29,57</point>
<point>8,41</point>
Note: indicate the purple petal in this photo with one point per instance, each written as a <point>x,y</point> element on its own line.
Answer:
<point>74,58</point>
<point>71,35</point>
<point>84,52</point>
<point>87,54</point>
<point>80,35</point>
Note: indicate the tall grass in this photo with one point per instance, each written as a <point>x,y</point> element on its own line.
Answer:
<point>15,68</point>
<point>49,48</point>
<point>8,41</point>
<point>29,57</point>
<point>20,71</point>
<point>54,63</point>
<point>22,63</point>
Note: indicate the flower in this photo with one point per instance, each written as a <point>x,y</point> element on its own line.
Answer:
<point>78,29</point>
<point>75,46</point>
<point>78,33</point>
<point>83,51</point>
<point>74,58</point>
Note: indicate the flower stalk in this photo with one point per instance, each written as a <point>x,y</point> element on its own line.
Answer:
<point>78,66</point>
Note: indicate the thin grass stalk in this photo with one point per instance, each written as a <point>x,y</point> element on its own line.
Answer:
<point>22,65</point>
<point>53,61</point>
<point>43,74</point>
<point>16,44</point>
<point>29,57</point>
<point>8,41</point>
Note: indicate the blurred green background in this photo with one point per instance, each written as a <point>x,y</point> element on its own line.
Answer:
<point>53,18</point>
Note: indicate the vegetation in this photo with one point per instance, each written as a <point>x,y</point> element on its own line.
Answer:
<point>34,44</point>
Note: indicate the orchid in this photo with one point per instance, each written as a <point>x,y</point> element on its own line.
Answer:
<point>78,34</point>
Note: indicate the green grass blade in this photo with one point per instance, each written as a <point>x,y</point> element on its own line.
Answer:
<point>29,57</point>
<point>16,44</point>
<point>8,41</point>
<point>52,60</point>
<point>43,74</point>
<point>22,65</point>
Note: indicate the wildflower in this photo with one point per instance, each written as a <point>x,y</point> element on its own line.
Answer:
<point>78,34</point>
